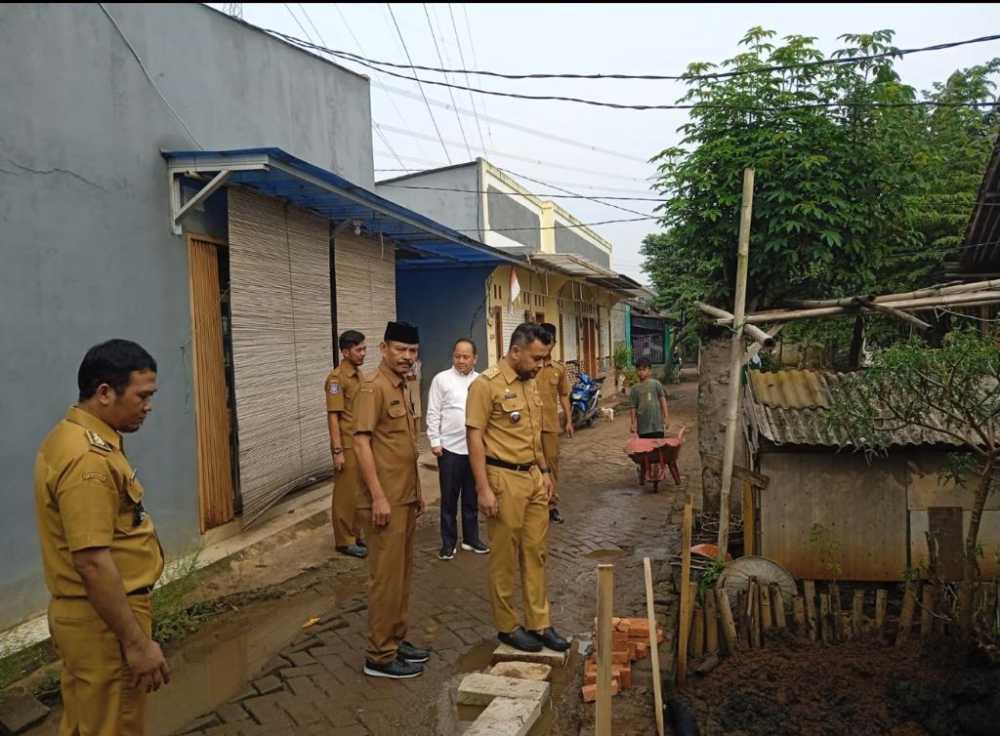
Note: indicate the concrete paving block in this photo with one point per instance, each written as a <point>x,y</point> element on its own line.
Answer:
<point>507,653</point>
<point>481,689</point>
<point>19,712</point>
<point>506,717</point>
<point>522,670</point>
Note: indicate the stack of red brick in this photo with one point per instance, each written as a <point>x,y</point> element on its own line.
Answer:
<point>629,643</point>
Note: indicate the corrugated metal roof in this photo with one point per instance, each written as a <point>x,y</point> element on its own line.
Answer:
<point>792,408</point>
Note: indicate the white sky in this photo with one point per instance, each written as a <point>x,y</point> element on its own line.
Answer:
<point>625,38</point>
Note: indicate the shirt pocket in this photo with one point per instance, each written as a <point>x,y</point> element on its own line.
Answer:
<point>396,418</point>
<point>131,495</point>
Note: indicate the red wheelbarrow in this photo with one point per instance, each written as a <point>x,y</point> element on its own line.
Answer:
<point>655,457</point>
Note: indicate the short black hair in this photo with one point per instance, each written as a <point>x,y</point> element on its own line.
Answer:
<point>643,363</point>
<point>459,341</point>
<point>551,328</point>
<point>528,332</point>
<point>349,339</point>
<point>111,362</point>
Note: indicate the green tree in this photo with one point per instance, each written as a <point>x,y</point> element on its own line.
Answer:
<point>952,391</point>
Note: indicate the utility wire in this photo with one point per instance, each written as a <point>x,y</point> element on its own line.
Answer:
<point>298,22</point>
<point>688,77</point>
<point>622,106</point>
<point>419,82</point>
<point>541,195</point>
<point>311,24</point>
<point>472,97</point>
<point>567,191</point>
<point>149,77</point>
<point>475,61</point>
<point>451,93</point>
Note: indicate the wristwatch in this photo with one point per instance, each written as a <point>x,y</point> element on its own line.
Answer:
<point>545,471</point>
<point>338,450</point>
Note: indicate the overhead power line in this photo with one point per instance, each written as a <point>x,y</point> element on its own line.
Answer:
<point>461,56</point>
<point>436,164</point>
<point>437,48</point>
<point>687,77</point>
<point>567,191</point>
<point>623,106</point>
<point>540,195</point>
<point>475,61</point>
<point>415,78</point>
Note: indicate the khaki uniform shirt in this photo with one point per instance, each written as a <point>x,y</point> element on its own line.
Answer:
<point>383,410</point>
<point>509,411</point>
<point>341,388</point>
<point>87,495</point>
<point>553,384</point>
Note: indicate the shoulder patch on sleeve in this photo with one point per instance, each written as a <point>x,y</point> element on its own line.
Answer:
<point>97,442</point>
<point>333,388</point>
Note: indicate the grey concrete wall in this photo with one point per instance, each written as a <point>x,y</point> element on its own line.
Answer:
<point>507,215</point>
<point>84,235</point>
<point>450,196</point>
<point>445,304</point>
<point>569,241</point>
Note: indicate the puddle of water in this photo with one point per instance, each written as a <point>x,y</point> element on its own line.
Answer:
<point>606,554</point>
<point>217,662</point>
<point>478,658</point>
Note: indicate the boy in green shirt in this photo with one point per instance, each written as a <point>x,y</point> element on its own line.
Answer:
<point>648,404</point>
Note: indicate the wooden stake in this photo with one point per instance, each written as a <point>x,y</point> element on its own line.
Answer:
<point>906,615</point>
<point>777,606</point>
<point>927,611</point>
<point>711,624</point>
<point>858,613</point>
<point>686,592</point>
<point>825,621</point>
<point>881,602</point>
<point>810,591</point>
<point>799,615</point>
<point>749,519</point>
<point>605,605</point>
<point>743,616</point>
<point>766,622</point>
<point>654,648</point>
<point>754,604</point>
<point>735,360</point>
<point>835,609</point>
<point>728,624</point>
<point>698,634</point>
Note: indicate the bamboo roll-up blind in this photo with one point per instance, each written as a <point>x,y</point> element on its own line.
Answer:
<point>280,302</point>
<point>569,336</point>
<point>366,290</point>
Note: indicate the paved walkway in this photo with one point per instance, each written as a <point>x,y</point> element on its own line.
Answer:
<point>315,685</point>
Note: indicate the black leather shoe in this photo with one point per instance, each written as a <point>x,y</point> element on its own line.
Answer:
<point>478,547</point>
<point>353,550</point>
<point>409,653</point>
<point>555,517</point>
<point>397,669</point>
<point>550,639</point>
<point>361,543</point>
<point>520,640</point>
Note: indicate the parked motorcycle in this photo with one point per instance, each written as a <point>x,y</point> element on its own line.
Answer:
<point>585,400</point>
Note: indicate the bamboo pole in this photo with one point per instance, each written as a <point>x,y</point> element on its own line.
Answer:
<point>686,596</point>
<point>766,340</point>
<point>605,602</point>
<point>753,606</point>
<point>929,291</point>
<point>881,601</point>
<point>778,606</point>
<point>906,615</point>
<point>927,611</point>
<point>799,615</point>
<point>835,610</point>
<point>749,519</point>
<point>728,624</point>
<point>698,632</point>
<point>810,592</point>
<point>825,621</point>
<point>654,648</point>
<point>735,360</point>
<point>898,314</point>
<point>787,315</point>
<point>858,613</point>
<point>766,621</point>
<point>711,624</point>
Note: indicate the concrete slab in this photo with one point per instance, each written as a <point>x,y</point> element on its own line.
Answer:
<point>506,717</point>
<point>482,689</point>
<point>507,653</point>
<point>522,670</point>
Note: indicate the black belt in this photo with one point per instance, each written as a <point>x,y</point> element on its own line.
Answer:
<point>509,466</point>
<point>141,591</point>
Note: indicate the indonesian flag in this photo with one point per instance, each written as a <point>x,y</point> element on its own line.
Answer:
<point>515,286</point>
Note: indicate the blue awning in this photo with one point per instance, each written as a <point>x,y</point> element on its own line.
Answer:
<point>275,173</point>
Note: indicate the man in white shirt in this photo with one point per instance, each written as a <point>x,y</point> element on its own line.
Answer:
<point>446,432</point>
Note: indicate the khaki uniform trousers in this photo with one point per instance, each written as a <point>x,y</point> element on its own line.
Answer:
<point>550,448</point>
<point>518,536</point>
<point>390,562</point>
<point>346,487</point>
<point>97,698</point>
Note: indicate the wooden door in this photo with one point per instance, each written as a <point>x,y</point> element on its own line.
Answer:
<point>215,478</point>
<point>498,331</point>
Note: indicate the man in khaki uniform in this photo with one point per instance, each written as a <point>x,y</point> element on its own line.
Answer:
<point>385,441</point>
<point>100,552</point>
<point>341,387</point>
<point>504,419</point>
<point>553,384</point>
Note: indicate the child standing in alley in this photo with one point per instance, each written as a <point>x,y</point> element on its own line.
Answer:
<point>648,404</point>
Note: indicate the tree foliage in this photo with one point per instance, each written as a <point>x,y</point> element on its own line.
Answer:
<point>951,392</point>
<point>849,198</point>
